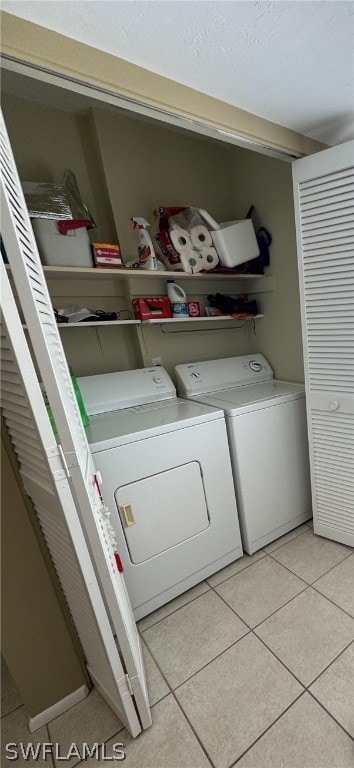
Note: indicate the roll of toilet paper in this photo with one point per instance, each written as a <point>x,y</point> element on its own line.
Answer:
<point>192,261</point>
<point>180,240</point>
<point>200,236</point>
<point>210,258</point>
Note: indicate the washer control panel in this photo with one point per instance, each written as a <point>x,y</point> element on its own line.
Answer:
<point>255,366</point>
<point>215,375</point>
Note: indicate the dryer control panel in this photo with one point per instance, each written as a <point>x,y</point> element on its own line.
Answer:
<point>214,375</point>
<point>113,391</point>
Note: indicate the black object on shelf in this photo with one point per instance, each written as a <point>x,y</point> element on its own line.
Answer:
<point>228,305</point>
<point>264,240</point>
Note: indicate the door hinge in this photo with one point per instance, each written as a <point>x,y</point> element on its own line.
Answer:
<point>129,685</point>
<point>63,459</point>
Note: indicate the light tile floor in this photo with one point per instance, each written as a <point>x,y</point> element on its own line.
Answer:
<point>252,668</point>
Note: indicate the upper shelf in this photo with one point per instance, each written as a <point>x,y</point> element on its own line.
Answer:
<point>124,274</point>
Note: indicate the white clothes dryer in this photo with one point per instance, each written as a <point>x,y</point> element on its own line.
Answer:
<point>267,431</point>
<point>167,479</point>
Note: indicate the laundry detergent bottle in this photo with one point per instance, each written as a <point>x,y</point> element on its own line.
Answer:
<point>178,299</point>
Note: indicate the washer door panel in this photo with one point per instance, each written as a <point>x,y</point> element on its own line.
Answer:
<point>162,510</point>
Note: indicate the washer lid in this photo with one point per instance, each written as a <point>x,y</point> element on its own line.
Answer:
<point>255,396</point>
<point>109,430</point>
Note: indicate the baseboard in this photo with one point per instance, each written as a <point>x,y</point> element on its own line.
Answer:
<point>57,709</point>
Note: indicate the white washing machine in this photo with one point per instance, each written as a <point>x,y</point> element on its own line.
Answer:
<point>167,479</point>
<point>266,424</point>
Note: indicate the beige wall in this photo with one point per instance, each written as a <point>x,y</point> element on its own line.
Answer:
<point>36,642</point>
<point>46,142</point>
<point>149,165</point>
<point>267,184</point>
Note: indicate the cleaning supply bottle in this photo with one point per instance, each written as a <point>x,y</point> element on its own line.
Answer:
<point>80,402</point>
<point>147,258</point>
<point>178,299</point>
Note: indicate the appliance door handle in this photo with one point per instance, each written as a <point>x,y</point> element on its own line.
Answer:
<point>128,515</point>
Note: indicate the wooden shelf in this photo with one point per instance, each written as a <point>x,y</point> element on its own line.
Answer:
<point>98,323</point>
<point>102,273</point>
<point>160,321</point>
<point>228,318</point>
<point>94,324</point>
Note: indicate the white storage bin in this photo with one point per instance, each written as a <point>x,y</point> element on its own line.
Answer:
<point>235,242</point>
<point>57,250</point>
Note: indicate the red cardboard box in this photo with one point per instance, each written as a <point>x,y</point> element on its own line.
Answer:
<point>107,255</point>
<point>151,308</point>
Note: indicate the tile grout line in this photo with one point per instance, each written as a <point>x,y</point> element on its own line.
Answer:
<point>330,714</point>
<point>204,665</point>
<point>172,691</point>
<point>330,664</point>
<point>159,668</point>
<point>12,711</point>
<point>307,586</point>
<point>306,687</point>
<point>141,631</point>
<point>267,729</point>
<point>280,660</point>
<point>301,577</point>
<point>285,542</point>
<point>49,739</point>
<point>81,762</point>
<point>185,716</point>
<point>237,572</point>
<point>329,600</point>
<point>282,606</point>
<point>306,690</point>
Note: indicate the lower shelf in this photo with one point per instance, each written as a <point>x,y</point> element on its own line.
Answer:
<point>223,318</point>
<point>103,322</point>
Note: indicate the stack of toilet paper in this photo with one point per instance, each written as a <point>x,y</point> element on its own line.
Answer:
<point>184,240</point>
<point>195,248</point>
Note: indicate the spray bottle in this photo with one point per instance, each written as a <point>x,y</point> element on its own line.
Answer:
<point>147,258</point>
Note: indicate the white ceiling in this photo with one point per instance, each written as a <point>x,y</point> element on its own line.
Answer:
<point>290,62</point>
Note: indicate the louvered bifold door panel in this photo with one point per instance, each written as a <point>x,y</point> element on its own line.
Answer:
<point>36,306</point>
<point>46,483</point>
<point>324,209</point>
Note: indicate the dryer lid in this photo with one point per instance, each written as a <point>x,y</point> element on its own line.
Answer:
<point>113,429</point>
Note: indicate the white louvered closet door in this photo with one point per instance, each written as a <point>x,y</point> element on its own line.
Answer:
<point>324,211</point>
<point>33,296</point>
<point>46,483</point>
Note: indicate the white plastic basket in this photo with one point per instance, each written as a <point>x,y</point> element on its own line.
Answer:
<point>235,242</point>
